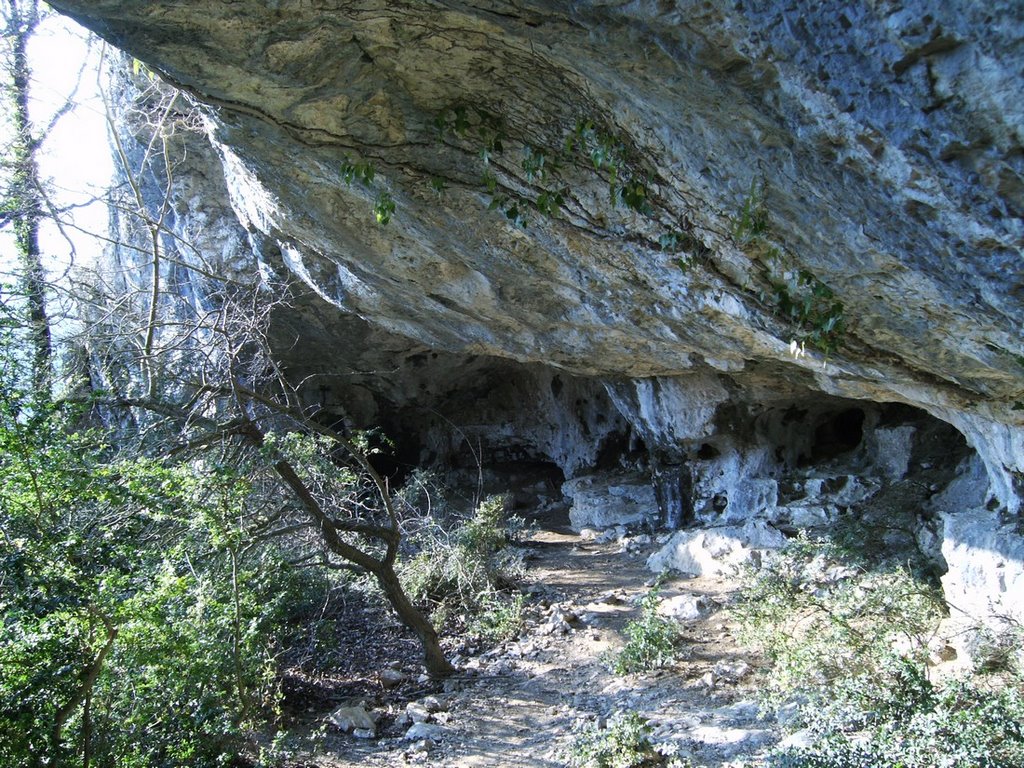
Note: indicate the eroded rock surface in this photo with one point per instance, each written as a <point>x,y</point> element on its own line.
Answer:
<point>779,150</point>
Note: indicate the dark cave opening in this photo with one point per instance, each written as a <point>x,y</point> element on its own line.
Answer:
<point>707,452</point>
<point>837,434</point>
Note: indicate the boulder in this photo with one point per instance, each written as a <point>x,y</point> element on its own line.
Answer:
<point>891,448</point>
<point>750,497</point>
<point>607,500</point>
<point>686,607</point>
<point>392,678</point>
<point>718,551</point>
<point>984,583</point>
<point>351,719</point>
<point>425,732</point>
<point>418,712</point>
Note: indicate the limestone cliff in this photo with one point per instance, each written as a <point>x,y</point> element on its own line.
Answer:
<point>629,190</point>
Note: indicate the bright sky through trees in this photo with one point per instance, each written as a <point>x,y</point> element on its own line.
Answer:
<point>75,161</point>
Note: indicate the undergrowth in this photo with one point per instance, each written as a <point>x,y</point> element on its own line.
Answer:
<point>923,726</point>
<point>464,573</point>
<point>624,743</point>
<point>847,645</point>
<point>820,617</point>
<point>651,640</point>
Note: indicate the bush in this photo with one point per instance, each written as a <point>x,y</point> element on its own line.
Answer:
<point>963,725</point>
<point>498,617</point>
<point>1001,651</point>
<point>651,640</point>
<point>625,743</point>
<point>460,574</point>
<point>820,617</point>
<point>139,619</point>
<point>848,643</point>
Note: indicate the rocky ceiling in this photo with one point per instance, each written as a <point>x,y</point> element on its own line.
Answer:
<point>694,201</point>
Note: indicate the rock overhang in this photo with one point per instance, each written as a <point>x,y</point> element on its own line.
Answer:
<point>886,164</point>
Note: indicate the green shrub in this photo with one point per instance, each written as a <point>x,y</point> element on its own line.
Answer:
<point>498,617</point>
<point>651,640</point>
<point>139,619</point>
<point>1001,651</point>
<point>820,617</point>
<point>625,743</point>
<point>848,643</point>
<point>963,725</point>
<point>459,574</point>
<point>751,221</point>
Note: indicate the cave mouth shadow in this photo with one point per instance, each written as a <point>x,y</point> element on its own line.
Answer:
<point>837,434</point>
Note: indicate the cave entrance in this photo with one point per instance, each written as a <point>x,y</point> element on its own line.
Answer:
<point>836,434</point>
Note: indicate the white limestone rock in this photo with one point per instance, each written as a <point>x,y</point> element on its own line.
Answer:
<point>891,448</point>
<point>716,551</point>
<point>750,497</point>
<point>805,516</point>
<point>351,719</point>
<point>686,607</point>
<point>608,500</point>
<point>968,490</point>
<point>984,585</point>
<point>425,732</point>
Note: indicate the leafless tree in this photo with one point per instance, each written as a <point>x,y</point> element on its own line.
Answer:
<point>199,373</point>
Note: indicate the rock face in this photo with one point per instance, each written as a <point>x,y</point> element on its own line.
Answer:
<point>985,581</point>
<point>604,501</point>
<point>843,175</point>
<point>713,243</point>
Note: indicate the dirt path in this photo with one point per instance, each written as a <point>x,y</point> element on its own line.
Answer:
<point>522,703</point>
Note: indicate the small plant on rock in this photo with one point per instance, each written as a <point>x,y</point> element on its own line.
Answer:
<point>751,221</point>
<point>625,743</point>
<point>651,640</point>
<point>813,309</point>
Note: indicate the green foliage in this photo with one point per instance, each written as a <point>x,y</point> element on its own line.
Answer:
<point>797,295</point>
<point>454,119</point>
<point>598,147</point>
<point>607,152</point>
<point>848,643</point>
<point>352,172</point>
<point>538,164</point>
<point>751,222</point>
<point>961,725</point>
<point>486,127</point>
<point>135,607</point>
<point>460,573</point>
<point>1001,651</point>
<point>635,194</point>
<point>813,308</point>
<point>651,640</point>
<point>625,743</point>
<point>364,173</point>
<point>549,203</point>
<point>497,617</point>
<point>383,208</point>
<point>820,617</point>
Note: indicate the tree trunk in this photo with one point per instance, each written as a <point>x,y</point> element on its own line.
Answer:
<point>24,196</point>
<point>89,677</point>
<point>434,659</point>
